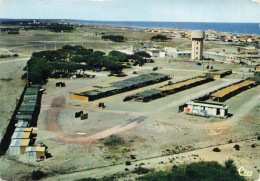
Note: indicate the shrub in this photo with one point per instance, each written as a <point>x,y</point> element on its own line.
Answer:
<point>128,163</point>
<point>216,149</point>
<point>132,157</point>
<point>37,174</point>
<point>237,147</point>
<point>114,140</point>
<point>141,170</point>
<point>230,141</point>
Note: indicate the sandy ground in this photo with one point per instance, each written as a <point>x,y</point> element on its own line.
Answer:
<point>149,129</point>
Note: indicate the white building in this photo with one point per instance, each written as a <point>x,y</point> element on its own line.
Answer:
<point>173,52</point>
<point>156,53</point>
<point>201,108</point>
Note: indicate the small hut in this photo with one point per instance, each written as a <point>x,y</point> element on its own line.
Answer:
<point>18,146</point>
<point>35,153</point>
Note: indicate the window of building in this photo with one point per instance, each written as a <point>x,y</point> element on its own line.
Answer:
<point>30,153</point>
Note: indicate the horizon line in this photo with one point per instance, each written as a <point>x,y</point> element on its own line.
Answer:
<point>124,20</point>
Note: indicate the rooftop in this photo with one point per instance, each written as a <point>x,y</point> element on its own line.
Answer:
<point>19,142</point>
<point>232,88</point>
<point>208,104</point>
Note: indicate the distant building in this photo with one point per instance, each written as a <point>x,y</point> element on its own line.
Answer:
<point>173,52</point>
<point>156,53</point>
<point>197,44</point>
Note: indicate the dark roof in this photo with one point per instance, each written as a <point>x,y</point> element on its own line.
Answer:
<point>30,97</point>
<point>23,117</point>
<point>32,91</point>
<point>139,79</point>
<point>148,93</point>
<point>27,107</point>
<point>133,81</point>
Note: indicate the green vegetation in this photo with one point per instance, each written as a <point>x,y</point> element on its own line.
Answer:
<point>209,171</point>
<point>141,170</point>
<point>87,179</point>
<point>114,140</point>
<point>70,59</point>
<point>60,28</point>
<point>115,38</point>
<point>159,37</point>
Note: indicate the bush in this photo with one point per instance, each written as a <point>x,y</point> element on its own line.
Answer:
<point>216,149</point>
<point>237,147</point>
<point>37,174</point>
<point>114,140</point>
<point>141,170</point>
<point>128,163</point>
<point>132,157</point>
<point>230,141</point>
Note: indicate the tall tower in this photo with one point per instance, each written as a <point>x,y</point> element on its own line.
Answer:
<point>197,44</point>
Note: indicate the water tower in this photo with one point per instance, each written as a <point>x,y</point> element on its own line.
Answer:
<point>197,44</point>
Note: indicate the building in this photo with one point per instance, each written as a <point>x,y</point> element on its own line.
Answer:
<point>173,52</point>
<point>227,92</point>
<point>24,129</point>
<point>207,109</point>
<point>217,74</point>
<point>156,53</point>
<point>22,135</point>
<point>18,146</point>
<point>197,38</point>
<point>101,91</point>
<point>172,88</point>
<point>35,153</point>
<point>22,124</point>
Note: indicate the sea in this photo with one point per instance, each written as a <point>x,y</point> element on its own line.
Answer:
<point>240,28</point>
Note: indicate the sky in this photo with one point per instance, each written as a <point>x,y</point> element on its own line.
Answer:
<point>134,10</point>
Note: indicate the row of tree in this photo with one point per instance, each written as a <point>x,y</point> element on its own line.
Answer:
<point>160,38</point>
<point>114,38</point>
<point>58,28</point>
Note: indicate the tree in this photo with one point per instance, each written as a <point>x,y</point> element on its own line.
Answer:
<point>115,38</point>
<point>38,70</point>
<point>159,37</point>
<point>143,54</point>
<point>120,57</point>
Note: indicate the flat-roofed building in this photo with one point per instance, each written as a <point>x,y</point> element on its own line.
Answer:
<point>35,153</point>
<point>21,135</point>
<point>207,109</point>
<point>18,146</point>
<point>217,74</point>
<point>227,92</point>
<point>22,124</point>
